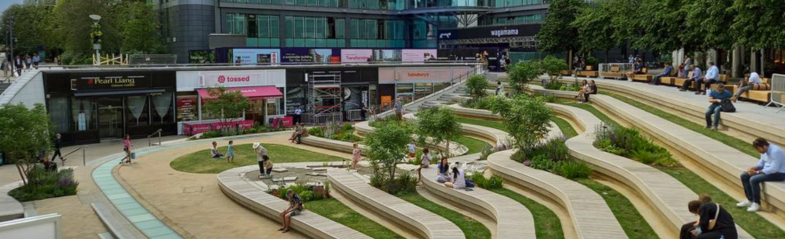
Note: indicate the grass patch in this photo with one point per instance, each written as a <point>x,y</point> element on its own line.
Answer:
<point>474,145</point>
<point>728,140</point>
<point>546,223</point>
<point>470,227</point>
<point>487,123</point>
<point>630,219</point>
<point>337,211</point>
<point>566,129</point>
<point>590,108</point>
<point>201,162</point>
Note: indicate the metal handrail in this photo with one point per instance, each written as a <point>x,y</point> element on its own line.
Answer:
<point>149,142</point>
<point>84,160</point>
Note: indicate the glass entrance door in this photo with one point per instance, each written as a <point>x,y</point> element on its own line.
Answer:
<point>110,117</point>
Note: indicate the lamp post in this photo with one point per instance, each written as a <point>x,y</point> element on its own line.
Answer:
<point>96,39</point>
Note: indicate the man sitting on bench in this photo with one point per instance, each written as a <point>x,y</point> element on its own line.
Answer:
<point>696,74</point>
<point>668,69</point>
<point>745,86</point>
<point>712,76</point>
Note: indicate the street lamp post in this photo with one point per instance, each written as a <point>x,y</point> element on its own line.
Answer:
<point>96,40</point>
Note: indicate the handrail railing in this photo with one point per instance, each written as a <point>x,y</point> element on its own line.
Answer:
<point>84,157</point>
<point>149,141</point>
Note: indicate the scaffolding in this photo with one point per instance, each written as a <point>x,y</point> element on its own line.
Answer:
<point>325,99</point>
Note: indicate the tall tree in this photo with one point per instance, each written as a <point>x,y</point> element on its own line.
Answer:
<point>759,23</point>
<point>75,24</point>
<point>661,26</point>
<point>709,23</point>
<point>437,125</point>
<point>526,118</point>
<point>227,105</point>
<point>625,17</point>
<point>594,30</point>
<point>141,31</point>
<point>386,147</point>
<point>557,33</point>
<point>33,27</point>
<point>26,132</point>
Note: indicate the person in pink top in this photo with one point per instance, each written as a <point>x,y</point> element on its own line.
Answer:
<point>355,155</point>
<point>127,149</point>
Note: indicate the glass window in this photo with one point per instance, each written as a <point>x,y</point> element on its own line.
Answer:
<point>162,108</point>
<point>58,111</point>
<point>137,112</point>
<point>273,26</point>
<point>186,107</point>
<point>84,113</point>
<point>340,26</point>
<point>422,90</point>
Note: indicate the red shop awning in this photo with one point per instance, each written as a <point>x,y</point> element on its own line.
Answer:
<point>252,92</point>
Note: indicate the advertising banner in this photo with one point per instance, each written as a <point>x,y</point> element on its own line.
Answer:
<point>310,55</point>
<point>356,55</point>
<point>191,80</point>
<point>390,75</point>
<point>252,56</point>
<point>387,55</point>
<point>186,108</point>
<point>418,55</point>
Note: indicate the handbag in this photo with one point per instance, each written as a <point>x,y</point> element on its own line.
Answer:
<point>727,106</point>
<point>713,222</point>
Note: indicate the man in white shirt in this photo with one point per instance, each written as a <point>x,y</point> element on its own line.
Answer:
<point>745,86</point>
<point>711,77</point>
<point>770,168</point>
<point>297,113</point>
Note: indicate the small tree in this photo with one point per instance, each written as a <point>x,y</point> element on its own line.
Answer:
<point>26,132</point>
<point>526,118</point>
<point>476,86</point>
<point>522,73</point>
<point>440,124</point>
<point>553,66</point>
<point>386,147</point>
<point>227,105</point>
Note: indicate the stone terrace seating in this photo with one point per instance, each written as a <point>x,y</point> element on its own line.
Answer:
<point>233,184</point>
<point>331,144</point>
<point>421,221</point>
<point>513,220</point>
<point>10,208</point>
<point>723,160</point>
<point>590,215</point>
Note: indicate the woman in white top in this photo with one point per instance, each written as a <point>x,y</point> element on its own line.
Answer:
<point>459,179</point>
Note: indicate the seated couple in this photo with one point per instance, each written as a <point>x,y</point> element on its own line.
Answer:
<point>299,131</point>
<point>452,177</point>
<point>714,222</point>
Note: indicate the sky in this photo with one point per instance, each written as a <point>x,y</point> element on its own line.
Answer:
<point>4,4</point>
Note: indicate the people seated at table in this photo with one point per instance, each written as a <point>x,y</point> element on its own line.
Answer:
<point>712,76</point>
<point>746,85</point>
<point>770,168</point>
<point>696,74</point>
<point>214,151</point>
<point>667,72</point>
<point>715,98</point>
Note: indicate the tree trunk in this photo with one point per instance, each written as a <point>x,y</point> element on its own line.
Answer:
<point>22,175</point>
<point>570,60</point>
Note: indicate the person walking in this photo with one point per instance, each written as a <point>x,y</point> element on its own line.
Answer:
<point>28,62</point>
<point>261,153</point>
<point>499,88</point>
<point>36,60</point>
<point>229,153</point>
<point>770,168</point>
<point>4,64</point>
<point>356,155</point>
<point>58,144</point>
<point>398,108</point>
<point>19,64</point>
<point>127,148</point>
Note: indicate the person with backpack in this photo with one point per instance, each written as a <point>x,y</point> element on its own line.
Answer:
<point>719,98</point>
<point>294,209</point>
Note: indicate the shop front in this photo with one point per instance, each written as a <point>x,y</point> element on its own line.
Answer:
<point>263,89</point>
<point>343,90</point>
<point>412,83</point>
<point>87,107</point>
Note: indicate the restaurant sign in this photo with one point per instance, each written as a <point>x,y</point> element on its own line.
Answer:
<point>109,82</point>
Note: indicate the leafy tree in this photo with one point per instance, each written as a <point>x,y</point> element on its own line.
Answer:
<point>557,33</point>
<point>440,125</point>
<point>553,66</point>
<point>594,30</point>
<point>226,104</point>
<point>33,27</point>
<point>709,22</point>
<point>759,23</point>
<point>625,20</point>
<point>476,86</point>
<point>661,26</point>
<point>141,31</point>
<point>26,132</point>
<point>526,118</point>
<point>522,73</point>
<point>74,24</point>
<point>386,147</point>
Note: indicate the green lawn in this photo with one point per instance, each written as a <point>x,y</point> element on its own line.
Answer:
<point>470,227</point>
<point>487,123</point>
<point>628,216</point>
<point>733,142</point>
<point>201,162</point>
<point>567,130</point>
<point>756,225</point>
<point>474,145</point>
<point>546,223</point>
<point>590,108</point>
<point>337,211</point>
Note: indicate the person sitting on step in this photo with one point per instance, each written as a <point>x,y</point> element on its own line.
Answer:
<point>770,168</point>
<point>715,98</point>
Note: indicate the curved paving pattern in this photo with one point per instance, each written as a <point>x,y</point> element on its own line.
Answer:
<point>10,208</point>
<point>423,222</point>
<point>590,215</point>
<point>253,195</point>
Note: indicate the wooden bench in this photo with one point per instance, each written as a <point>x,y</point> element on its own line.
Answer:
<point>645,77</point>
<point>422,222</point>
<point>331,144</point>
<point>614,73</point>
<point>761,96</point>
<point>565,72</point>
<point>591,216</point>
<point>233,183</point>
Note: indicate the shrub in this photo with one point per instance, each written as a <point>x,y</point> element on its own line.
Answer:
<point>307,196</point>
<point>494,182</point>
<point>44,184</point>
<point>554,85</point>
<point>542,162</point>
<point>316,131</point>
<point>574,169</point>
<point>554,149</point>
<point>403,184</point>
<point>628,142</point>
<point>347,127</point>
<point>476,86</point>
<point>486,152</point>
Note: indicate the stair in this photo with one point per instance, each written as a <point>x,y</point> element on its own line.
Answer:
<point>4,86</point>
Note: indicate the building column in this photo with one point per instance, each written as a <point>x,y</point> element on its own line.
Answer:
<point>736,64</point>
<point>753,62</point>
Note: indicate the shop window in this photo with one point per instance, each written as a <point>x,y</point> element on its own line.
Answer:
<point>252,30</point>
<point>422,90</point>
<point>137,111</point>
<point>84,113</point>
<point>58,111</point>
<point>274,107</point>
<point>163,112</point>
<point>187,107</point>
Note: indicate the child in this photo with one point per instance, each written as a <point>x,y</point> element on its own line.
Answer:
<point>214,151</point>
<point>229,154</point>
<point>355,155</point>
<point>412,150</point>
<point>425,159</point>
<point>268,165</point>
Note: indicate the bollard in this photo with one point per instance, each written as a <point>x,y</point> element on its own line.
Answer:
<point>84,161</point>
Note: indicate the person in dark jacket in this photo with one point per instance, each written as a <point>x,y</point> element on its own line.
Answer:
<point>724,228</point>
<point>58,144</point>
<point>592,91</point>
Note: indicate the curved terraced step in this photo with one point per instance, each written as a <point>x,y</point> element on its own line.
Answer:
<point>488,133</point>
<point>590,215</point>
<point>661,191</point>
<point>725,161</point>
<point>331,144</point>
<point>10,208</point>
<point>512,219</point>
<point>253,196</point>
<point>423,222</point>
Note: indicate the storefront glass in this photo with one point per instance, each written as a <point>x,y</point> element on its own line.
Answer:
<point>187,107</point>
<point>137,110</point>
<point>110,117</point>
<point>84,111</point>
<point>406,91</point>
<point>162,110</point>
<point>58,112</point>
<point>422,90</point>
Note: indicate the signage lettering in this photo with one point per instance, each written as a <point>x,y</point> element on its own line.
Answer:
<point>113,82</point>
<point>418,74</point>
<point>505,32</point>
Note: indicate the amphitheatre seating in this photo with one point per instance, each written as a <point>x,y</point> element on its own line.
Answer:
<point>760,93</point>
<point>422,222</point>
<point>10,208</point>
<point>590,215</point>
<point>513,220</point>
<point>588,72</point>
<point>565,72</point>
<point>645,77</point>
<point>335,145</point>
<point>364,128</point>
<point>716,157</point>
<point>254,197</point>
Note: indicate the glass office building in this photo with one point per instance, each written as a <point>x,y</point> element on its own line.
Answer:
<point>361,24</point>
